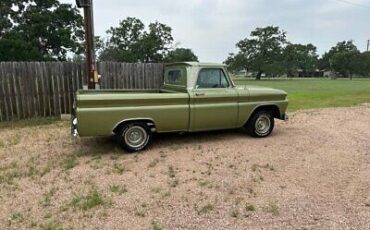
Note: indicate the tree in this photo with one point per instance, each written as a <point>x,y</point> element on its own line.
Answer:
<point>345,63</point>
<point>261,53</point>
<point>5,19</point>
<point>236,62</point>
<point>14,48</point>
<point>341,59</point>
<point>297,56</point>
<point>344,46</point>
<point>46,30</point>
<point>181,55</point>
<point>361,64</point>
<point>130,42</point>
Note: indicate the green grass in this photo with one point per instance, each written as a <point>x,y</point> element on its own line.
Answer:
<point>89,201</point>
<point>70,162</point>
<point>29,122</point>
<point>318,93</point>
<point>118,189</point>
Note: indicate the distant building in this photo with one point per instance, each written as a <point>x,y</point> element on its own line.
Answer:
<point>314,73</point>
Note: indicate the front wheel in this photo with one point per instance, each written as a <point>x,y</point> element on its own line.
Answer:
<point>134,136</point>
<point>260,124</point>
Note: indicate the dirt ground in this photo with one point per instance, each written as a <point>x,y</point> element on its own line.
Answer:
<point>313,172</point>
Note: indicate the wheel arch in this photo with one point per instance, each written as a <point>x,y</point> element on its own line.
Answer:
<point>148,121</point>
<point>270,107</point>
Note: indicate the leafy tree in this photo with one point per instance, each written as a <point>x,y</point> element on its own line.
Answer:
<point>261,53</point>
<point>344,46</point>
<point>236,62</point>
<point>130,42</point>
<point>361,64</point>
<point>297,56</point>
<point>46,30</point>
<point>181,55</point>
<point>342,58</point>
<point>5,13</point>
<point>345,63</point>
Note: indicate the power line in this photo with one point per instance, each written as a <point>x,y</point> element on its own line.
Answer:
<point>354,4</point>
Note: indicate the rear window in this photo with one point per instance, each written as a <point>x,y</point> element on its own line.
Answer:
<point>175,76</point>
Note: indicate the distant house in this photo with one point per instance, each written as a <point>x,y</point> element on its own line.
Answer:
<point>314,73</point>
<point>330,74</point>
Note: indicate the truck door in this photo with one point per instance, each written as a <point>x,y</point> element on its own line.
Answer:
<point>213,101</point>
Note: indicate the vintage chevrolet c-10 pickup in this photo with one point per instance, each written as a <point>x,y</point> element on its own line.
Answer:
<point>194,97</point>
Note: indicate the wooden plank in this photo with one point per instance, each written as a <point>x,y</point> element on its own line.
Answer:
<point>3,89</point>
<point>13,85</point>
<point>142,75</point>
<point>46,89</point>
<point>69,75</point>
<point>111,75</point>
<point>58,81</point>
<point>147,75</point>
<point>25,88</point>
<point>107,75</point>
<point>63,88</point>
<point>9,92</point>
<point>126,76</point>
<point>53,92</point>
<point>102,72</point>
<point>121,75</point>
<point>134,76</point>
<point>2,94</point>
<point>39,91</point>
<point>33,84</point>
<point>27,75</point>
<point>20,73</point>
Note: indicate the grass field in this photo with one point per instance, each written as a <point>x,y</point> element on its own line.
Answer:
<point>318,93</point>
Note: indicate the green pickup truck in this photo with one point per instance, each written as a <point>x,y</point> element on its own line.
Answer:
<point>194,97</point>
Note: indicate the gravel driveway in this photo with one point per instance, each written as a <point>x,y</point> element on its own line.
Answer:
<point>313,172</point>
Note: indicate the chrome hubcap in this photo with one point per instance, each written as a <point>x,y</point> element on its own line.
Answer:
<point>135,136</point>
<point>263,125</point>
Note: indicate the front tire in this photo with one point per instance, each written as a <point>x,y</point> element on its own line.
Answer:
<point>261,124</point>
<point>134,137</point>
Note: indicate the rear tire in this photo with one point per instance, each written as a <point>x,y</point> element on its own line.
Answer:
<point>134,136</point>
<point>260,124</point>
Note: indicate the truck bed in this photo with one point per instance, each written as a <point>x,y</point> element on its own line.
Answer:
<point>106,108</point>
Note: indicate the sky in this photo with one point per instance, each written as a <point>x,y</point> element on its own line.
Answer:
<point>211,28</point>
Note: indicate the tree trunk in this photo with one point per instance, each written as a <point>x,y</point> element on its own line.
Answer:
<point>258,77</point>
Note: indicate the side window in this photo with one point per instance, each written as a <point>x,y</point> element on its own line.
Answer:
<point>212,78</point>
<point>175,76</point>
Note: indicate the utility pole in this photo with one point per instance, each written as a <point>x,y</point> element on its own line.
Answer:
<point>368,45</point>
<point>91,80</point>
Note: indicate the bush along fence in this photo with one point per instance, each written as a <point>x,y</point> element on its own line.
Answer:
<point>47,89</point>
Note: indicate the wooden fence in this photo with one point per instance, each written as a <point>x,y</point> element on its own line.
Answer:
<point>43,89</point>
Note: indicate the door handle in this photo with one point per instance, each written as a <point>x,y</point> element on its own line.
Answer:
<point>200,94</point>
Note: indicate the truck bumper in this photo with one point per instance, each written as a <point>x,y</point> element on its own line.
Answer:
<point>284,117</point>
<point>74,131</point>
<point>74,121</point>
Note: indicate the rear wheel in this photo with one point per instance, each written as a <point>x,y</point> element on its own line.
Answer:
<point>134,136</point>
<point>260,124</point>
